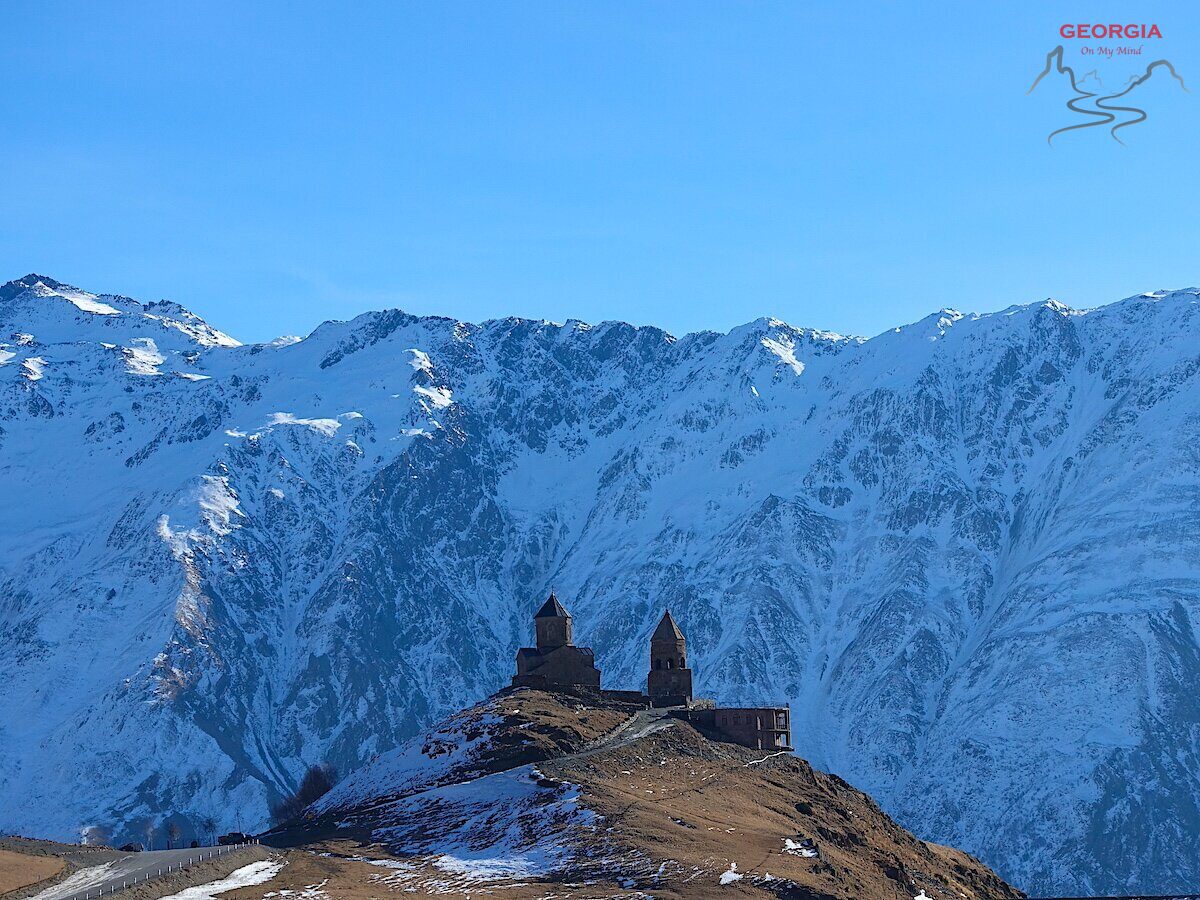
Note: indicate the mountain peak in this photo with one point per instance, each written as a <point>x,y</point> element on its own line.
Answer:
<point>18,286</point>
<point>42,314</point>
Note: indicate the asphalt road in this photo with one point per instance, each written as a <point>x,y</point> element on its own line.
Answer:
<point>128,868</point>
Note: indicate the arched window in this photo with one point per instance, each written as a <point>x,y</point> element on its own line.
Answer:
<point>668,662</point>
<point>682,662</point>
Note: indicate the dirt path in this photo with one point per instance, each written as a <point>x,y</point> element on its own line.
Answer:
<point>642,723</point>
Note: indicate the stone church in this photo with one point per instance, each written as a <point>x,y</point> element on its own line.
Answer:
<point>557,664</point>
<point>555,660</point>
<point>669,682</point>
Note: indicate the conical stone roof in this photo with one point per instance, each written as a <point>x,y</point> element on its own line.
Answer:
<point>667,630</point>
<point>552,609</point>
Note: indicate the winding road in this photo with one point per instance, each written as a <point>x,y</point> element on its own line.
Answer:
<point>126,870</point>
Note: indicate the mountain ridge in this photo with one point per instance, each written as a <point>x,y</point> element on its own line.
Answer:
<point>15,287</point>
<point>934,543</point>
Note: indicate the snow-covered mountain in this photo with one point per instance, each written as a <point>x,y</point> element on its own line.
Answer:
<point>967,552</point>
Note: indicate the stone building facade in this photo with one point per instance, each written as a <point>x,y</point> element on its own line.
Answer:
<point>669,682</point>
<point>555,661</point>
<point>759,727</point>
<point>557,664</point>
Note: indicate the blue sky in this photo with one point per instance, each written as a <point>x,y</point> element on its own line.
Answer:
<point>691,165</point>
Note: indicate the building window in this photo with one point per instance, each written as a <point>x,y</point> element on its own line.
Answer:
<point>668,662</point>
<point>682,662</point>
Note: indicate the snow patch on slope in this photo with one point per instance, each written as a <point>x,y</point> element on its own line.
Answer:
<point>89,303</point>
<point>247,876</point>
<point>498,827</point>
<point>786,351</point>
<point>437,397</point>
<point>420,361</point>
<point>142,357</point>
<point>33,368</point>
<point>327,427</point>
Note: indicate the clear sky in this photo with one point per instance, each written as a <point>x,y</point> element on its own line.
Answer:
<point>850,166</point>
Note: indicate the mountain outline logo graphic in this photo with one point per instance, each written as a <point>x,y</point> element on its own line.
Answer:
<point>1096,104</point>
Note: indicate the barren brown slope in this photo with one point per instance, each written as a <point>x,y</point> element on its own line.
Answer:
<point>696,809</point>
<point>630,805</point>
<point>19,870</point>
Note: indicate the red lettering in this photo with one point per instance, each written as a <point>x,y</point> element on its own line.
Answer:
<point>1100,31</point>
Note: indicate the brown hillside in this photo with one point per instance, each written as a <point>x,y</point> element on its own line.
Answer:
<point>534,794</point>
<point>18,870</point>
<point>703,808</point>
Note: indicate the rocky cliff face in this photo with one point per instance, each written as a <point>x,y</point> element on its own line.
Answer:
<point>965,551</point>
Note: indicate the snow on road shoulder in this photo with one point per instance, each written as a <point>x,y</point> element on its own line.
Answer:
<point>255,873</point>
<point>87,877</point>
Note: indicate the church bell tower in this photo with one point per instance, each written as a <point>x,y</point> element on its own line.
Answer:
<point>552,624</point>
<point>669,682</point>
